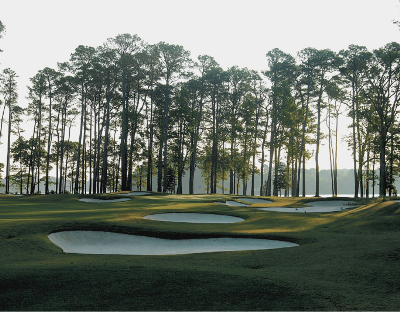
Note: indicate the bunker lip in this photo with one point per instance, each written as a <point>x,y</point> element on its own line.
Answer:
<point>98,242</point>
<point>316,206</point>
<point>192,217</point>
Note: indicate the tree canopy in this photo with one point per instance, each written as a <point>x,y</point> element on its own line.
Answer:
<point>127,112</point>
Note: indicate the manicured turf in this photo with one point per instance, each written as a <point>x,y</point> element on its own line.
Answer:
<point>346,260</point>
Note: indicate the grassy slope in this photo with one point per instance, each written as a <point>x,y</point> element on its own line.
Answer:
<point>347,260</point>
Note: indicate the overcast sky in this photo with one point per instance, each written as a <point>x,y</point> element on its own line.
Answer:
<point>40,33</point>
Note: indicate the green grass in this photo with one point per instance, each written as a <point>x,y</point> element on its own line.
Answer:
<point>346,260</point>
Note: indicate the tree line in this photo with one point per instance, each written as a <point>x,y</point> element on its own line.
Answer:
<point>149,110</point>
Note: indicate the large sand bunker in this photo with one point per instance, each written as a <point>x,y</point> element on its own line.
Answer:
<point>96,242</point>
<point>193,217</point>
<point>317,206</point>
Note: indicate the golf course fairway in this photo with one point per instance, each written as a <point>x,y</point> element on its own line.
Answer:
<point>345,260</point>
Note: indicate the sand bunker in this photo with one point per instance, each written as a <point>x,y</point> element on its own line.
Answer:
<point>318,206</point>
<point>256,200</point>
<point>95,242</point>
<point>95,200</point>
<point>232,203</point>
<point>136,193</point>
<point>193,217</point>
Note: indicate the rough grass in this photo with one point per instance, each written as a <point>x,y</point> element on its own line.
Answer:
<point>346,260</point>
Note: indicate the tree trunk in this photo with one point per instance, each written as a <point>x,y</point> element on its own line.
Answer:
<point>124,136</point>
<point>48,145</point>
<point>317,149</point>
<point>150,152</point>
<point>90,152</point>
<point>263,157</point>
<point>83,108</point>
<point>382,163</point>
<point>160,165</point>
<point>104,169</point>
<point>8,149</point>
<point>63,123</point>
<point>368,172</point>
<point>304,177</point>
<point>165,132</point>
<point>271,157</point>
<point>354,143</point>
<point>196,139</point>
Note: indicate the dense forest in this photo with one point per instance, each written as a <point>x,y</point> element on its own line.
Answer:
<point>142,111</point>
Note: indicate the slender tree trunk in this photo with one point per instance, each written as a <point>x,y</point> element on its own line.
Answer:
<point>83,108</point>
<point>8,149</point>
<point>391,179</point>
<point>223,167</point>
<point>160,166</point>
<point>276,169</point>
<point>317,148</point>
<point>165,132</point>
<point>271,157</point>
<point>33,159</point>
<point>382,163</point>
<point>360,153</point>
<point>39,136</point>
<point>104,169</point>
<point>373,176</point>
<point>20,168</point>
<point>61,176</point>
<point>90,151</point>
<point>180,160</point>
<point>196,139</point>
<point>253,172</point>
<point>263,157</point>
<point>214,147</point>
<point>335,169</point>
<point>124,135</point>
<point>356,184</point>
<point>83,190</point>
<point>130,164</point>
<point>244,169</point>
<point>368,163</point>
<point>48,144</point>
<point>150,151</point>
<point>58,149</point>
<point>304,177</point>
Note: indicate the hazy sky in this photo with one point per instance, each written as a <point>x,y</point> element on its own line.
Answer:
<point>40,33</point>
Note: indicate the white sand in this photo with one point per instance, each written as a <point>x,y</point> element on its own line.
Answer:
<point>318,206</point>
<point>193,217</point>
<point>95,242</point>
<point>95,200</point>
<point>232,203</point>
<point>256,200</point>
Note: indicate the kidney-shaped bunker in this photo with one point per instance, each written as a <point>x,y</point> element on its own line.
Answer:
<point>96,242</point>
<point>317,206</point>
<point>191,217</point>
